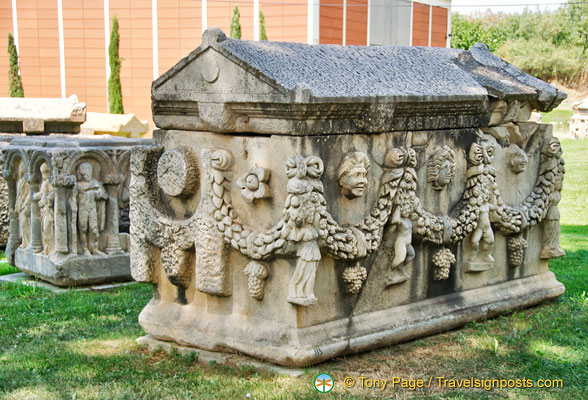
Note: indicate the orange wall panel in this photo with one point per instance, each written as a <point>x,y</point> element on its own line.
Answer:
<point>136,52</point>
<point>295,22</point>
<point>439,27</point>
<point>220,13</point>
<point>356,23</point>
<point>179,30</point>
<point>273,12</point>
<point>420,24</point>
<point>85,64</point>
<point>38,48</point>
<point>331,22</point>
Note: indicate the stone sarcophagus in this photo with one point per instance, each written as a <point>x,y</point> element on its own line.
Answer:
<point>301,202</point>
<point>33,116</point>
<point>67,200</point>
<point>579,121</point>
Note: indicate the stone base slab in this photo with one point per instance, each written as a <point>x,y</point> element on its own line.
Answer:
<point>76,270</point>
<point>291,346</point>
<point>27,280</point>
<point>209,357</point>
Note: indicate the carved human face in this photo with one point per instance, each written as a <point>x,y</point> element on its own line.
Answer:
<point>554,146</point>
<point>482,153</point>
<point>45,171</point>
<point>518,163</point>
<point>85,171</point>
<point>444,176</point>
<point>353,183</point>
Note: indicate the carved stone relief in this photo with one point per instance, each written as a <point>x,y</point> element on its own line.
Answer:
<point>353,173</point>
<point>256,275</point>
<point>443,259</point>
<point>441,167</point>
<point>517,159</point>
<point>46,198</point>
<point>354,277</point>
<point>65,208</point>
<point>254,185</point>
<point>481,157</point>
<point>306,227</point>
<point>550,238</point>
<point>516,247</point>
<point>177,172</point>
<point>23,207</point>
<point>89,195</point>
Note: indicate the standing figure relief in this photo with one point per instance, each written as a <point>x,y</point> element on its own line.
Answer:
<point>23,207</point>
<point>481,172</point>
<point>552,170</point>
<point>89,196</point>
<point>46,200</point>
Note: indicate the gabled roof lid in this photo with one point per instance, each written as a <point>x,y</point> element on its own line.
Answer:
<point>229,85</point>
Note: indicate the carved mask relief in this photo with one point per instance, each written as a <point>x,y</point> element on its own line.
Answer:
<point>353,174</point>
<point>441,168</point>
<point>517,159</point>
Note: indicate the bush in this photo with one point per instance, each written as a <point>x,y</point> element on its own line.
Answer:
<point>547,61</point>
<point>467,31</point>
<point>549,45</point>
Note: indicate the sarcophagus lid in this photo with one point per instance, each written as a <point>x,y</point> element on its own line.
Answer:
<point>228,85</point>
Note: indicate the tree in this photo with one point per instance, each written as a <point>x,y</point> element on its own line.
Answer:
<point>467,31</point>
<point>235,24</point>
<point>14,81</point>
<point>578,12</point>
<point>114,88</point>
<point>262,33</point>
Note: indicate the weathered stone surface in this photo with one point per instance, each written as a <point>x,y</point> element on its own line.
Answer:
<point>65,196</point>
<point>579,120</point>
<point>4,215</point>
<point>367,239</point>
<point>41,115</point>
<point>28,280</point>
<point>208,357</point>
<point>297,89</point>
<point>126,125</point>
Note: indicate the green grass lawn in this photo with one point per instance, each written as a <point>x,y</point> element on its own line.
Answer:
<point>6,268</point>
<point>560,114</point>
<point>81,345</point>
<point>560,118</point>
